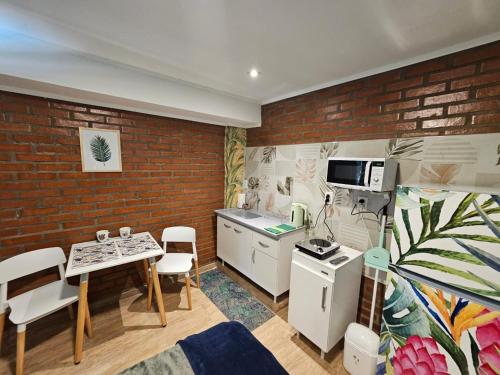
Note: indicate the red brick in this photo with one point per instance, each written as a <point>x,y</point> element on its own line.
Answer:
<point>477,54</point>
<point>453,73</point>
<point>88,117</point>
<point>488,91</point>
<point>446,98</point>
<point>423,113</point>
<point>71,123</point>
<point>119,121</point>
<point>490,65</point>
<point>451,121</point>
<point>478,80</point>
<point>486,119</point>
<point>337,116</point>
<point>425,67</point>
<point>401,105</point>
<point>407,83</point>
<point>393,96</point>
<point>474,107</point>
<point>426,90</point>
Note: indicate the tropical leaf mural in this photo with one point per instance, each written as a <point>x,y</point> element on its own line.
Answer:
<point>234,164</point>
<point>285,187</point>
<point>328,150</point>
<point>451,237</point>
<point>404,148</point>
<point>268,154</point>
<point>428,331</point>
<point>100,149</point>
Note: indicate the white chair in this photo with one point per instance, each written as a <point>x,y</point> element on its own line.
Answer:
<point>36,303</point>
<point>177,263</point>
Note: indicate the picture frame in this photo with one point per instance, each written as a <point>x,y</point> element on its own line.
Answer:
<point>100,150</point>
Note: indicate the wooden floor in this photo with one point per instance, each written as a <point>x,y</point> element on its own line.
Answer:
<point>125,333</point>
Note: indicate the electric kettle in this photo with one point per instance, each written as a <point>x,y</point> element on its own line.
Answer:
<point>298,214</point>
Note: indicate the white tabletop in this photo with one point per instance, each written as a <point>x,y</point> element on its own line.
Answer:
<point>109,254</point>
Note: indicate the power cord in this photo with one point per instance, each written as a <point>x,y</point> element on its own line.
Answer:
<point>377,215</point>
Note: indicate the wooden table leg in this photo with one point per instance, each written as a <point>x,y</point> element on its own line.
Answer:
<point>158,295</point>
<point>146,271</point>
<point>88,323</point>
<point>80,322</point>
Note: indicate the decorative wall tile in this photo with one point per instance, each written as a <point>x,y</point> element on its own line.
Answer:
<point>467,163</point>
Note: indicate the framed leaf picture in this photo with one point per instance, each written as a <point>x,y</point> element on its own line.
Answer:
<point>100,150</point>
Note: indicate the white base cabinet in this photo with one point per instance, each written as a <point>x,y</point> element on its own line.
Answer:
<point>324,297</point>
<point>264,260</point>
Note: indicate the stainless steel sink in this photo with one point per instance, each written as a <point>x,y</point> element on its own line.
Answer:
<point>246,214</point>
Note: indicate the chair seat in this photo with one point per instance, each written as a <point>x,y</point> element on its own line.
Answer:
<point>173,263</point>
<point>42,301</point>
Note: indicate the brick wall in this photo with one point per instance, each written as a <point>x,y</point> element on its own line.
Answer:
<point>173,174</point>
<point>454,94</point>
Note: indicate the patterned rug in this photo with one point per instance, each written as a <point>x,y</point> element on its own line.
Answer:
<point>235,302</point>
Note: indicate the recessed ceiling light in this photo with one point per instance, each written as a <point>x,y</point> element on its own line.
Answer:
<point>254,73</point>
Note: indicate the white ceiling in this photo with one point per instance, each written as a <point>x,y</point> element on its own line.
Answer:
<point>298,45</point>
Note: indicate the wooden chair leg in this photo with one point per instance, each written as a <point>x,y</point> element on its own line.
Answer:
<point>197,273</point>
<point>88,323</point>
<point>2,326</point>
<point>150,293</point>
<point>21,342</point>
<point>71,312</point>
<point>188,290</point>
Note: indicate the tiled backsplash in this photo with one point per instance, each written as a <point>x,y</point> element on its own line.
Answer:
<point>280,175</point>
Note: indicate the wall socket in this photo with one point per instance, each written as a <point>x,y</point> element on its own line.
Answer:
<point>362,203</point>
<point>329,197</point>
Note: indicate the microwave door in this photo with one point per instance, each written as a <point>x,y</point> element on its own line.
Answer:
<point>347,172</point>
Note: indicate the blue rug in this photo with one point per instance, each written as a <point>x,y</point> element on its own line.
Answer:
<point>235,302</point>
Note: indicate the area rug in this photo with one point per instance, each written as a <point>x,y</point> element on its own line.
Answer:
<point>235,302</point>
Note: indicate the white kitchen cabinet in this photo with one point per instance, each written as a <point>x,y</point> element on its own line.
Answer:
<point>263,259</point>
<point>310,302</point>
<point>323,296</point>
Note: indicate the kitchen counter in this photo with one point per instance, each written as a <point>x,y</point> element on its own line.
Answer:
<point>256,224</point>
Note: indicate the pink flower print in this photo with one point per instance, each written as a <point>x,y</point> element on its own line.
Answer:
<point>488,338</point>
<point>419,356</point>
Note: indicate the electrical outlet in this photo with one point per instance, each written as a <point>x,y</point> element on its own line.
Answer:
<point>328,198</point>
<point>362,203</point>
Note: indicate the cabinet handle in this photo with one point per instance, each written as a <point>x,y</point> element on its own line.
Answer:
<point>227,226</point>
<point>263,244</point>
<point>253,256</point>
<point>236,230</point>
<point>323,298</point>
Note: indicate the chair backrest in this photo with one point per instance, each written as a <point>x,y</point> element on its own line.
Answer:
<point>179,234</point>
<point>30,262</point>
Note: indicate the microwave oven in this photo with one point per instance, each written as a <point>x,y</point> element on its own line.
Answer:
<point>373,174</point>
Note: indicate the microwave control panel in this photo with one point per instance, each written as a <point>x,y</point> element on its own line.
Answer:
<point>377,176</point>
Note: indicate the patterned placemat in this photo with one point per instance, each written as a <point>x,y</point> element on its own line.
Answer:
<point>92,254</point>
<point>136,245</point>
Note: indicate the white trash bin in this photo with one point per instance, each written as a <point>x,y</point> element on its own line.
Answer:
<point>360,350</point>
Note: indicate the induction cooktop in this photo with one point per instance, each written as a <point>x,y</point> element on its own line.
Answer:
<point>317,247</point>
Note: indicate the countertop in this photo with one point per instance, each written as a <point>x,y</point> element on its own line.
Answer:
<point>257,224</point>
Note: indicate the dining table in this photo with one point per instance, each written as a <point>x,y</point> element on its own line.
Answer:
<point>93,256</point>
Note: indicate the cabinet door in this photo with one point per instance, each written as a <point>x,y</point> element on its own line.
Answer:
<point>241,249</point>
<point>224,234</point>
<point>265,270</point>
<point>310,304</point>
